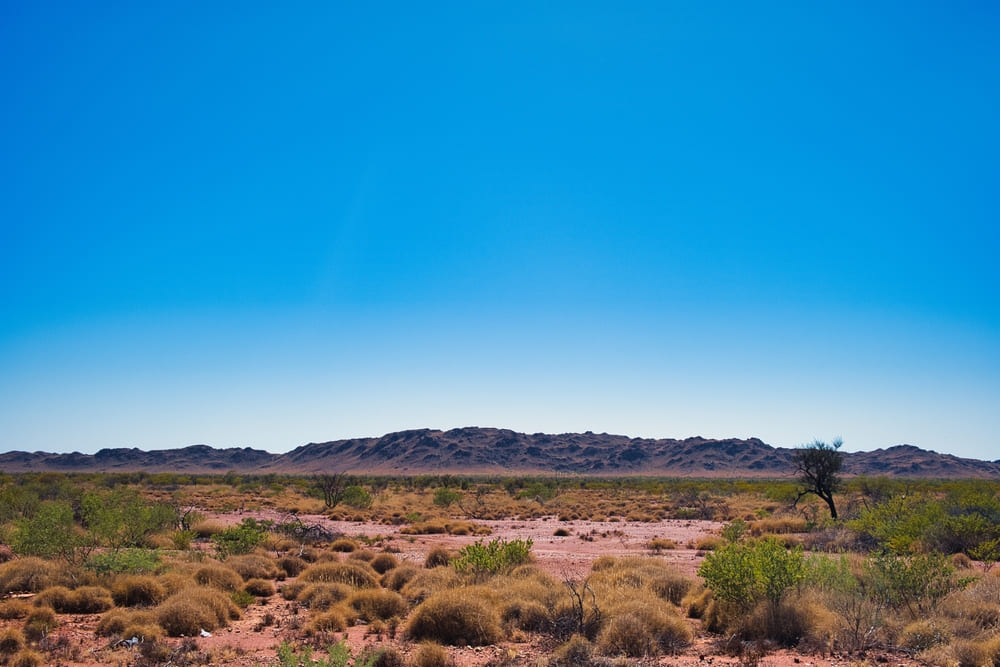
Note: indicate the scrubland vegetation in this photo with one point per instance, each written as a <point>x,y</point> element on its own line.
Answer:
<point>907,567</point>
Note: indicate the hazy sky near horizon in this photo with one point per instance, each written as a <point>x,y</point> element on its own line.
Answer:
<point>264,224</point>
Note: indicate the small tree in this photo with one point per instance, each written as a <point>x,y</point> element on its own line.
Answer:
<point>818,465</point>
<point>332,486</point>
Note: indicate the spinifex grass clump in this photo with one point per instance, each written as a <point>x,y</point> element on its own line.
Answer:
<point>495,557</point>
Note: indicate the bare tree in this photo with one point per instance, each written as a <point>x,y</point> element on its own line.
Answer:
<point>818,465</point>
<point>332,485</point>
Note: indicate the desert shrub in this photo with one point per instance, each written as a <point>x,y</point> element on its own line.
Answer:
<point>188,612</point>
<point>327,621</point>
<point>254,566</point>
<point>382,563</point>
<point>561,532</point>
<point>241,539</point>
<point>49,532</point>
<point>343,545</point>
<point>40,623</point>
<point>323,595</point>
<point>576,652</point>
<point>374,605</point>
<point>915,583</point>
<point>437,557</point>
<point>27,658</point>
<point>115,621</point>
<point>260,587</point>
<point>744,573</point>
<point>31,575</point>
<point>353,573</point>
<point>428,582</point>
<point>11,641</point>
<point>134,561</point>
<point>457,617</point>
<point>14,608</point>
<point>219,576</point>
<point>137,591</point>
<point>292,566</point>
<point>243,598</point>
<point>499,555</point>
<point>431,655</point>
<point>397,577</point>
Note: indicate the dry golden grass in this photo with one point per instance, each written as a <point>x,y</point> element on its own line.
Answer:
<point>186,613</point>
<point>14,608</point>
<point>11,641</point>
<point>430,654</point>
<point>428,582</point>
<point>353,573</point>
<point>254,566</point>
<point>261,588</point>
<point>458,617</point>
<point>323,595</point>
<point>138,591</point>
<point>372,605</point>
<point>115,621</point>
<point>31,575</point>
<point>397,577</point>
<point>220,577</point>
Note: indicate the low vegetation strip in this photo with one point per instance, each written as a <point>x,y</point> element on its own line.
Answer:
<point>911,573</point>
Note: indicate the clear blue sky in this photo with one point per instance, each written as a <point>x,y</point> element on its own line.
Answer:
<point>264,224</point>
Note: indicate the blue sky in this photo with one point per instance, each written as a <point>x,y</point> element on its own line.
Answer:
<point>263,224</point>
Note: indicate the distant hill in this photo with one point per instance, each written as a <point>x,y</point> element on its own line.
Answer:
<point>500,451</point>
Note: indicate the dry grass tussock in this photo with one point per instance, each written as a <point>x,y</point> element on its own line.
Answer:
<point>137,591</point>
<point>186,613</point>
<point>220,577</point>
<point>114,623</point>
<point>254,566</point>
<point>357,574</point>
<point>262,588</point>
<point>372,605</point>
<point>426,583</point>
<point>459,617</point>
<point>637,572</point>
<point>83,600</point>
<point>31,575</point>
<point>323,595</point>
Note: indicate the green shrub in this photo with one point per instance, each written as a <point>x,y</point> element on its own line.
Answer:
<point>916,583</point>
<point>240,539</point>
<point>496,556</point>
<point>459,617</point>
<point>744,573</point>
<point>134,561</point>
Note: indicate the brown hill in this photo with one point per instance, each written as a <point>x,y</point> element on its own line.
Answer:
<point>500,451</point>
